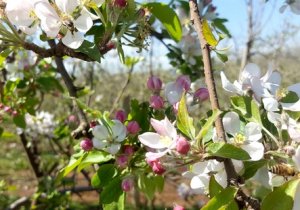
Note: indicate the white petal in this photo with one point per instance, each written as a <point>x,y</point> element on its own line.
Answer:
<point>100,132</point>
<point>170,129</point>
<point>99,143</point>
<point>254,149</point>
<point>152,140</point>
<point>113,148</point>
<point>296,158</point>
<point>200,168</point>
<point>295,107</point>
<point>200,183</point>
<point>238,165</point>
<point>155,155</point>
<point>118,131</point>
<point>253,131</point>
<point>251,70</point>
<point>74,40</point>
<point>67,6</point>
<point>231,122</point>
<point>274,117</point>
<point>228,85</point>
<point>84,22</point>
<point>294,132</point>
<point>262,177</point>
<point>295,88</point>
<point>257,88</point>
<point>221,178</point>
<point>173,92</point>
<point>270,104</point>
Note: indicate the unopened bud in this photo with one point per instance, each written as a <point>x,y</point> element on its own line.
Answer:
<point>7,109</point>
<point>182,145</point>
<point>128,149</point>
<point>122,161</point>
<point>154,83</point>
<point>110,45</point>
<point>14,113</point>
<point>184,81</point>
<point>133,127</point>
<point>121,116</point>
<point>157,167</point>
<point>93,123</point>
<point>178,207</point>
<point>201,94</point>
<point>86,145</point>
<point>156,102</point>
<point>127,184</point>
<point>72,119</point>
<point>120,3</point>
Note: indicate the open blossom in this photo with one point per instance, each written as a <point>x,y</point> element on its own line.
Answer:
<point>109,142</point>
<point>252,80</point>
<point>249,140</point>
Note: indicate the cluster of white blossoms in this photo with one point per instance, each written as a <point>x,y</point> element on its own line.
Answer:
<point>69,18</point>
<point>43,124</point>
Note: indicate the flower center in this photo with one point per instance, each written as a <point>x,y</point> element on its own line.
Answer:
<point>239,139</point>
<point>166,140</point>
<point>281,93</point>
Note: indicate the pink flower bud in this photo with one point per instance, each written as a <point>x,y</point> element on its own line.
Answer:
<point>7,109</point>
<point>72,119</point>
<point>177,207</point>
<point>122,161</point>
<point>156,166</point>
<point>120,3</point>
<point>154,83</point>
<point>133,127</point>
<point>110,45</point>
<point>86,144</point>
<point>15,113</point>
<point>128,149</point>
<point>182,145</point>
<point>93,123</point>
<point>127,184</point>
<point>184,81</point>
<point>201,94</point>
<point>156,102</point>
<point>121,116</point>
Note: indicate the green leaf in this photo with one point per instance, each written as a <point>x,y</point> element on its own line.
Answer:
<point>149,184</point>
<point>247,107</point>
<point>104,174</point>
<point>219,24</point>
<point>49,83</point>
<point>167,17</point>
<point>223,201</point>
<point>91,50</point>
<point>119,205</point>
<point>184,121</point>
<point>214,187</point>
<point>94,157</point>
<point>251,167</point>
<point>112,191</point>
<point>291,97</point>
<point>95,113</point>
<point>1,131</point>
<point>208,35</point>
<point>222,57</point>
<point>208,124</point>
<point>224,150</point>
<point>19,121</point>
<point>282,198</point>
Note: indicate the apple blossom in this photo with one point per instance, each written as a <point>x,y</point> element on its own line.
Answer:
<point>156,102</point>
<point>127,184</point>
<point>121,115</point>
<point>184,81</point>
<point>109,142</point>
<point>133,127</point>
<point>156,166</point>
<point>182,145</point>
<point>248,140</point>
<point>201,94</point>
<point>173,92</point>
<point>154,83</point>
<point>122,161</point>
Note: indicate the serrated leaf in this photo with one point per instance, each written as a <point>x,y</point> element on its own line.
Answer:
<point>247,107</point>
<point>214,187</point>
<point>184,121</point>
<point>221,149</point>
<point>167,17</point>
<point>208,124</point>
<point>208,35</point>
<point>104,174</point>
<point>223,201</point>
<point>282,197</point>
<point>251,167</point>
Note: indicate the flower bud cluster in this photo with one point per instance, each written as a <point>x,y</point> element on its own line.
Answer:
<point>9,110</point>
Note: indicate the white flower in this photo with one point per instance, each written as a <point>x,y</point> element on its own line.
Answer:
<point>163,141</point>
<point>251,80</point>
<point>173,92</point>
<point>77,22</point>
<point>109,141</point>
<point>21,14</point>
<point>248,140</point>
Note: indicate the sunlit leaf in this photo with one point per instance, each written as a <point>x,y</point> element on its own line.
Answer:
<point>208,35</point>
<point>184,121</point>
<point>223,201</point>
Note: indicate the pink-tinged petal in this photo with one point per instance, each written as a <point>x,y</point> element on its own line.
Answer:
<point>84,22</point>
<point>100,132</point>
<point>73,40</point>
<point>199,184</point>
<point>227,85</point>
<point>295,107</point>
<point>173,92</point>
<point>170,129</point>
<point>296,158</point>
<point>67,6</point>
<point>253,131</point>
<point>158,126</point>
<point>99,143</point>
<point>152,140</point>
<point>254,149</point>
<point>270,104</point>
<point>152,156</point>
<point>231,122</point>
